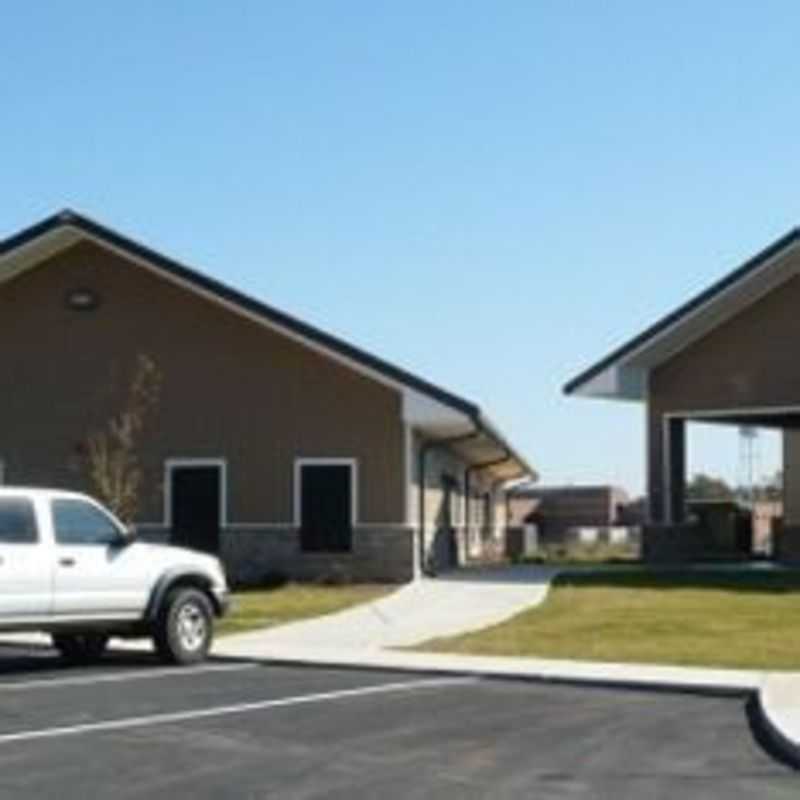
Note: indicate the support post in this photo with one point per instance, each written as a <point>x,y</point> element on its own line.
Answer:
<point>676,470</point>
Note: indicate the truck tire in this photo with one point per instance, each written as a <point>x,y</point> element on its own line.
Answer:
<point>184,628</point>
<point>80,648</point>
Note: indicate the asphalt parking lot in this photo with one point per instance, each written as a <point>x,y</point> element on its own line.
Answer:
<point>130,728</point>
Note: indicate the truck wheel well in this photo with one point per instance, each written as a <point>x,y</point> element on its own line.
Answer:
<point>185,581</point>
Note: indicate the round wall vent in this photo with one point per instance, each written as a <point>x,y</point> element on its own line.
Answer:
<point>82,299</point>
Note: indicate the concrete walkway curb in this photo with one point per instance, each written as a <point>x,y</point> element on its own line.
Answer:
<point>767,688</point>
<point>778,710</point>
<point>629,676</point>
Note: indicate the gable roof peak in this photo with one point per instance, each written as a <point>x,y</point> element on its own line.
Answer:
<point>66,214</point>
<point>672,324</point>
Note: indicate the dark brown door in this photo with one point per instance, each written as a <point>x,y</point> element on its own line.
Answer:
<point>196,501</point>
<point>326,523</point>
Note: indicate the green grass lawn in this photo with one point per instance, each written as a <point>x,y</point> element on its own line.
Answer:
<point>708,618</point>
<point>265,608</point>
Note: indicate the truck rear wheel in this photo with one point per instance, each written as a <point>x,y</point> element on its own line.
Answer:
<point>185,627</point>
<point>80,647</point>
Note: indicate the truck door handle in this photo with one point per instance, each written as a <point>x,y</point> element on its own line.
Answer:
<point>66,562</point>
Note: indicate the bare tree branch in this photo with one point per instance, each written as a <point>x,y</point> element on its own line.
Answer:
<point>113,465</point>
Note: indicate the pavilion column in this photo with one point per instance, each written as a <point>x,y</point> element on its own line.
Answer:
<point>666,468</point>
<point>675,469</point>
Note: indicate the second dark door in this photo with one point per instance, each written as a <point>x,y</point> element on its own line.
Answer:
<point>326,522</point>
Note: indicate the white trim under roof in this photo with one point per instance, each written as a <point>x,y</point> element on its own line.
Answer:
<point>728,413</point>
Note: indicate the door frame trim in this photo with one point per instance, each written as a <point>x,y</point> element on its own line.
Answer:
<point>323,461</point>
<point>171,464</point>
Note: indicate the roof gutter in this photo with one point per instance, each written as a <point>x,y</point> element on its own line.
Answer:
<point>486,427</point>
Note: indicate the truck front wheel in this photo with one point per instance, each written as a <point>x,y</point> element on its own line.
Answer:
<point>184,627</point>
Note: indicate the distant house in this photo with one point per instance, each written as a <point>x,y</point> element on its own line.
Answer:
<point>276,445</point>
<point>557,510</point>
<point>728,357</point>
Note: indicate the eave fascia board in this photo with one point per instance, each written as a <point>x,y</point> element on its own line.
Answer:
<point>618,382</point>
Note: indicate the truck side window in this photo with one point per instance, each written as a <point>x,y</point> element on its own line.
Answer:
<point>76,523</point>
<point>17,521</point>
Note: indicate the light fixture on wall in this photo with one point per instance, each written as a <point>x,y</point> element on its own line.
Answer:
<point>82,299</point>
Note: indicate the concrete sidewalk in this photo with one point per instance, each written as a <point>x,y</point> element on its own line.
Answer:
<point>457,602</point>
<point>644,676</point>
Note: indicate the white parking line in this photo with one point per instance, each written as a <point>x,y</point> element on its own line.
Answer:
<point>239,708</point>
<point>133,675</point>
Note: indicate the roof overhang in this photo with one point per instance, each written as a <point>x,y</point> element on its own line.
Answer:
<point>472,437</point>
<point>14,261</point>
<point>623,375</point>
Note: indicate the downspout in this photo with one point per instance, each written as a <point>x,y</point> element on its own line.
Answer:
<point>427,447</point>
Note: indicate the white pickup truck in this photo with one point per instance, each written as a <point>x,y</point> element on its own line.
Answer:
<point>69,568</point>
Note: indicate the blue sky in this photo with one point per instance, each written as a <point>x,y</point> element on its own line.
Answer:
<point>491,194</point>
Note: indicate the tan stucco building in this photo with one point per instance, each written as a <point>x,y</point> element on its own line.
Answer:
<point>282,448</point>
<point>727,356</point>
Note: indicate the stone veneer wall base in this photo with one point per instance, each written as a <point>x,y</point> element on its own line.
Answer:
<point>379,554</point>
